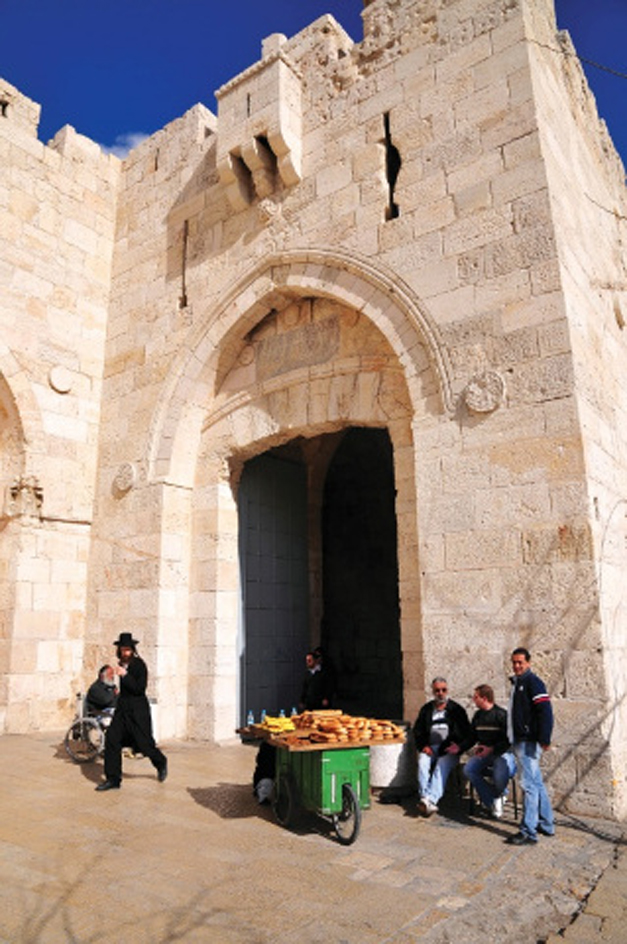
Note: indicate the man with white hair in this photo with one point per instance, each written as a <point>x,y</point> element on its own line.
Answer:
<point>442,725</point>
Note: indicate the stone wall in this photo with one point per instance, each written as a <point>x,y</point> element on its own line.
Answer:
<point>57,205</point>
<point>590,236</point>
<point>421,232</point>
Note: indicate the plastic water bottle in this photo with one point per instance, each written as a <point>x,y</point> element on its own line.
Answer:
<point>263,715</point>
<point>251,718</point>
<point>293,713</point>
<point>281,713</point>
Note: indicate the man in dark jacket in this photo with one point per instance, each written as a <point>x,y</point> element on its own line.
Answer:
<point>131,725</point>
<point>102,694</point>
<point>317,690</point>
<point>442,725</point>
<point>530,725</point>
<point>492,763</point>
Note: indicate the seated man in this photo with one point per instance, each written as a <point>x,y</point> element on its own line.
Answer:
<point>442,725</point>
<point>102,694</point>
<point>491,756</point>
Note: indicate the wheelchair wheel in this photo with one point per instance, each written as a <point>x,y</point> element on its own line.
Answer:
<point>84,740</point>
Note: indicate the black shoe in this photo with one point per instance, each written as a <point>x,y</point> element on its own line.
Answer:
<point>162,773</point>
<point>108,785</point>
<point>521,839</point>
<point>545,832</point>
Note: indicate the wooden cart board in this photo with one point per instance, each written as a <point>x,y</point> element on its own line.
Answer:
<point>289,743</point>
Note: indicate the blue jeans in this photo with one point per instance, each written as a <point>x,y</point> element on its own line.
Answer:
<point>536,804</point>
<point>499,768</point>
<point>433,773</point>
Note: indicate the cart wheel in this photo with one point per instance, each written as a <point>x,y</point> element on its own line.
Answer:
<point>84,740</point>
<point>347,822</point>
<point>284,801</point>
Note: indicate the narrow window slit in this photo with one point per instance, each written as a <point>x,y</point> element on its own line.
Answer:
<point>183,297</point>
<point>392,168</point>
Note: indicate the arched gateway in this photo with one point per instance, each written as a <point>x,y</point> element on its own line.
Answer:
<point>323,367</point>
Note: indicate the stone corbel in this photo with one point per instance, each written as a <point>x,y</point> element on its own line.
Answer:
<point>233,175</point>
<point>259,161</point>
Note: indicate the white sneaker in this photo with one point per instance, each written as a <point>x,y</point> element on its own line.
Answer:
<point>427,808</point>
<point>497,808</point>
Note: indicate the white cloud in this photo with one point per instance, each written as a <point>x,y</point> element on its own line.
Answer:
<point>124,143</point>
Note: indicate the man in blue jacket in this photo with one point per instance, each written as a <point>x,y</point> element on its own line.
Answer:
<point>530,725</point>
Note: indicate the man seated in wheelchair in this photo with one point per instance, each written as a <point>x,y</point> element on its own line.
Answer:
<point>492,763</point>
<point>102,695</point>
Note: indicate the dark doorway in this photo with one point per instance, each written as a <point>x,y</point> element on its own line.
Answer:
<point>317,535</point>
<point>272,502</point>
<point>361,624</point>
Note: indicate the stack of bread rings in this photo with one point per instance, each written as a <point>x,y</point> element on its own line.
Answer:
<point>335,727</point>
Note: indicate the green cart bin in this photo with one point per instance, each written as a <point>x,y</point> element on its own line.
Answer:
<point>333,782</point>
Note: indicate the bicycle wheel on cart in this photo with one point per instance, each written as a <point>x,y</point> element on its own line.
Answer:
<point>84,740</point>
<point>284,802</point>
<point>347,822</point>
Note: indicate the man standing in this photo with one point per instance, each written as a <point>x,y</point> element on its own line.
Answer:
<point>131,725</point>
<point>442,725</point>
<point>316,691</point>
<point>490,757</point>
<point>530,725</point>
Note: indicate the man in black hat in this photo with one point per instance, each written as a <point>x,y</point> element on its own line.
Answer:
<point>131,725</point>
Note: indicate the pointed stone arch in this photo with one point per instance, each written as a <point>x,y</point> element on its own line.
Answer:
<point>378,294</point>
<point>202,434</point>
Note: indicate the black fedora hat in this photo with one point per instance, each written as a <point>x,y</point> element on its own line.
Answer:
<point>126,641</point>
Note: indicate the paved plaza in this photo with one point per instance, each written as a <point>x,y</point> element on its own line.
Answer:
<point>198,860</point>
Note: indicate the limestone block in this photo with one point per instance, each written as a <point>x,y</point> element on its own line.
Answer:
<point>483,549</point>
<point>487,102</point>
<point>475,591</point>
<point>474,232</point>
<point>518,121</point>
<point>538,309</point>
<point>465,59</point>
<point>558,545</point>
<point>436,215</point>
<point>547,379</point>
<point>504,291</point>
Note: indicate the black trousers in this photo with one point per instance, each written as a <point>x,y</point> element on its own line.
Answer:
<point>125,732</point>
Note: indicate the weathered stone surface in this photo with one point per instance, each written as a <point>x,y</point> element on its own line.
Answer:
<point>408,233</point>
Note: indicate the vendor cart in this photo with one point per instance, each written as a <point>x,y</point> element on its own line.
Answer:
<point>331,780</point>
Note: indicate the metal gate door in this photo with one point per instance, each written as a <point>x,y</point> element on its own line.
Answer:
<point>274,630</point>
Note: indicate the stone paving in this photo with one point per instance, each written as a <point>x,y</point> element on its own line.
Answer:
<point>198,860</point>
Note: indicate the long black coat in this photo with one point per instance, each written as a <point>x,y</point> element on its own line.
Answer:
<point>132,724</point>
<point>132,711</point>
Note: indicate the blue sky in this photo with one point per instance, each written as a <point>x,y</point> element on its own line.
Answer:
<point>112,68</point>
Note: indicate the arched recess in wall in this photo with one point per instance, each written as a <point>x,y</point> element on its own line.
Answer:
<point>21,410</point>
<point>350,280</point>
<point>12,467</point>
<point>212,420</point>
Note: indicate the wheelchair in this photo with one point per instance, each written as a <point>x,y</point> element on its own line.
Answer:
<point>85,738</point>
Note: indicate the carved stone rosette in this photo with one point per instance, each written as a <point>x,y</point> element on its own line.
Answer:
<point>484,392</point>
<point>125,479</point>
<point>25,497</point>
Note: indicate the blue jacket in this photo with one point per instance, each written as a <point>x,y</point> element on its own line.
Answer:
<point>531,711</point>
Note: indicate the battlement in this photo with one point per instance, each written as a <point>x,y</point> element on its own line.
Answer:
<point>17,110</point>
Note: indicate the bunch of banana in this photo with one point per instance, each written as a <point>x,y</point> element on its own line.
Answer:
<point>277,725</point>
